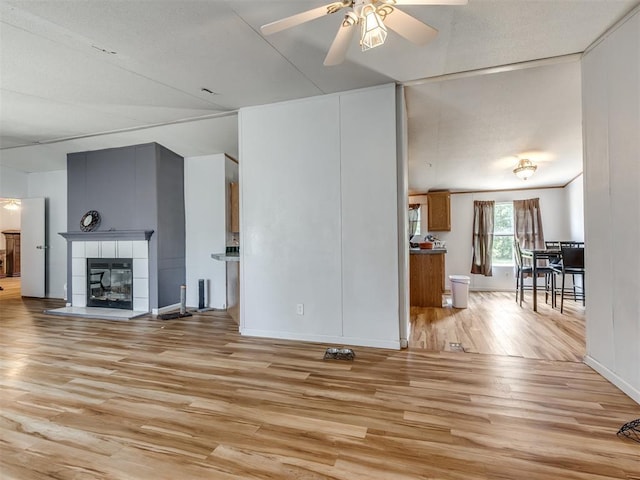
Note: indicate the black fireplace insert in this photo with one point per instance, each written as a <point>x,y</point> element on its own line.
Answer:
<point>110,283</point>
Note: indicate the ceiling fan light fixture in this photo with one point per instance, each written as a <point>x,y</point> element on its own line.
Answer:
<point>525,169</point>
<point>373,33</point>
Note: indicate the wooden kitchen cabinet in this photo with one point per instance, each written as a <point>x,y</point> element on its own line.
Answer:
<point>426,279</point>
<point>234,207</point>
<point>439,211</point>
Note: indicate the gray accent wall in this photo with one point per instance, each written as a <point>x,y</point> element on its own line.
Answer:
<point>171,224</point>
<point>140,187</point>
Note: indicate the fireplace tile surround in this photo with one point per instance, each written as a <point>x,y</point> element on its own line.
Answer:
<point>138,250</point>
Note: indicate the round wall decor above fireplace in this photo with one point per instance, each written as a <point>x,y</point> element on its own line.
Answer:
<point>90,221</point>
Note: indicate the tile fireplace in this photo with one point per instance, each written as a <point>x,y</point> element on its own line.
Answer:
<point>110,269</point>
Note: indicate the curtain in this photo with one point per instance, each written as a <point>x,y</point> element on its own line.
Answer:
<point>482,244</point>
<point>414,218</point>
<point>528,223</point>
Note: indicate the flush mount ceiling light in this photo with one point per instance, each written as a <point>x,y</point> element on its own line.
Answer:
<point>525,169</point>
<point>374,18</point>
<point>12,204</point>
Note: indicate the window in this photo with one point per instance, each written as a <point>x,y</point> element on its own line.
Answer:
<point>503,234</point>
<point>414,219</point>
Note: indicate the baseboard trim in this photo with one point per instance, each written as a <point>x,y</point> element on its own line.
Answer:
<point>330,340</point>
<point>487,289</point>
<point>612,377</point>
<point>167,309</point>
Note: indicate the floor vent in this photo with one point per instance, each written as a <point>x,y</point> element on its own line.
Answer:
<point>339,354</point>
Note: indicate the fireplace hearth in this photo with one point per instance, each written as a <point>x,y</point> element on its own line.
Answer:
<point>110,283</point>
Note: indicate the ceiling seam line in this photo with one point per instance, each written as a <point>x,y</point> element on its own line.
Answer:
<point>276,50</point>
<point>496,69</point>
<point>124,130</point>
<point>88,42</point>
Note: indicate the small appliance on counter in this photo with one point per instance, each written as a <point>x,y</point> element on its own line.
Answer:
<point>426,242</point>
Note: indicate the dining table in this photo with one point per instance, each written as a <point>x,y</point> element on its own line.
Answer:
<point>536,254</point>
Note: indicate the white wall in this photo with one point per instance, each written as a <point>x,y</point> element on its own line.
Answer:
<point>575,208</point>
<point>611,119</point>
<point>319,219</point>
<point>206,195</point>
<point>52,186</point>
<point>369,215</point>
<point>13,183</point>
<point>555,226</point>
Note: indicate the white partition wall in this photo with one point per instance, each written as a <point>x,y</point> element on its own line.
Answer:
<point>369,212</point>
<point>205,196</point>
<point>319,251</point>
<point>611,114</point>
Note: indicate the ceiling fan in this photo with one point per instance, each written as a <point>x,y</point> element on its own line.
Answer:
<point>373,17</point>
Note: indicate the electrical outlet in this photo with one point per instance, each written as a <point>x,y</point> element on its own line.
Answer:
<point>300,309</point>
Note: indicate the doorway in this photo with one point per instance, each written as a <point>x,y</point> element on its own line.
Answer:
<point>10,245</point>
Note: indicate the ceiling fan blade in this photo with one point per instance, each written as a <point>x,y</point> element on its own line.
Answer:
<point>299,18</point>
<point>340,45</point>
<point>409,27</point>
<point>431,2</point>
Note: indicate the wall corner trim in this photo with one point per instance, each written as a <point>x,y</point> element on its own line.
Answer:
<point>612,377</point>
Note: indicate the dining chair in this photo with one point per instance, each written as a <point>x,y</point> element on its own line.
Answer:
<point>552,245</point>
<point>572,244</point>
<point>552,260</point>
<point>522,270</point>
<point>517,254</point>
<point>572,264</point>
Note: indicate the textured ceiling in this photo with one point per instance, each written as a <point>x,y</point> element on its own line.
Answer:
<point>74,69</point>
<point>468,133</point>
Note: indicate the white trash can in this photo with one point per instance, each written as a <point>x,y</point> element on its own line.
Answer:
<point>460,290</point>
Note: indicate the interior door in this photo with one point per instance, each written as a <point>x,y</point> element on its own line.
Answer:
<point>33,247</point>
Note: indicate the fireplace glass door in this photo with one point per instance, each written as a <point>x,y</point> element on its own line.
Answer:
<point>110,283</point>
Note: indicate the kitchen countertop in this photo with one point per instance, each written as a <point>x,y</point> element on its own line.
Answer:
<point>226,257</point>
<point>427,251</point>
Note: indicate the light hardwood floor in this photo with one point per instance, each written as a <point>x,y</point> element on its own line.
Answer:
<point>192,399</point>
<point>495,324</point>
<point>10,287</point>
